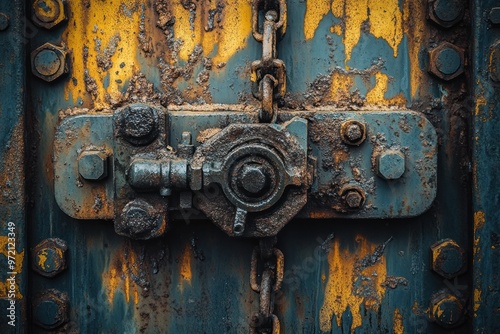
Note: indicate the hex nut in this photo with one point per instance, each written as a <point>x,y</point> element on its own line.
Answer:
<point>48,62</point>
<point>138,124</point>
<point>353,197</point>
<point>139,220</point>
<point>353,132</point>
<point>93,165</point>
<point>446,13</point>
<point>495,15</point>
<point>446,61</point>
<point>51,309</point>
<point>448,259</point>
<point>4,21</point>
<point>446,309</point>
<point>49,257</point>
<point>48,13</point>
<point>391,164</point>
<point>494,67</point>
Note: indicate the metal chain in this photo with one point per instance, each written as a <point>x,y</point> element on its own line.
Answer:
<point>269,73</point>
<point>273,263</point>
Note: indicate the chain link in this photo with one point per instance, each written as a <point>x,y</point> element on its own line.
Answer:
<point>269,73</point>
<point>273,262</point>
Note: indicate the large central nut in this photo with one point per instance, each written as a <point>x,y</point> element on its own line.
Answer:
<point>253,179</point>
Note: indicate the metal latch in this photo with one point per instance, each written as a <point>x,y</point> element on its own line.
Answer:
<point>141,164</point>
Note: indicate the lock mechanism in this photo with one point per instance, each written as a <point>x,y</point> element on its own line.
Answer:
<point>143,165</point>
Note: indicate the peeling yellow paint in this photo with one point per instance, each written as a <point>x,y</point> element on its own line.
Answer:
<point>398,327</point>
<point>189,27</point>
<point>18,269</point>
<point>477,300</point>
<point>377,94</point>
<point>385,20</point>
<point>106,22</point>
<point>42,258</point>
<point>341,84</point>
<point>185,265</point>
<point>344,278</point>
<point>479,220</point>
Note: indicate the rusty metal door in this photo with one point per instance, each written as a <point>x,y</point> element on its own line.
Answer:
<point>236,166</point>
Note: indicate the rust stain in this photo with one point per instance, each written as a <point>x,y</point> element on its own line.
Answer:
<point>355,278</point>
<point>479,220</point>
<point>185,265</point>
<point>477,301</point>
<point>18,269</point>
<point>398,327</point>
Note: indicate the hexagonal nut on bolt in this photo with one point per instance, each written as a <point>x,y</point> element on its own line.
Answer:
<point>446,310</point>
<point>49,257</point>
<point>446,61</point>
<point>354,198</point>
<point>138,124</point>
<point>51,309</point>
<point>448,258</point>
<point>48,62</point>
<point>446,13</point>
<point>140,220</point>
<point>93,165</point>
<point>48,13</point>
<point>353,132</point>
<point>391,164</point>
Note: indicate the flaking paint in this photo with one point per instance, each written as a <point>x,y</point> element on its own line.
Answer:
<point>398,326</point>
<point>4,285</point>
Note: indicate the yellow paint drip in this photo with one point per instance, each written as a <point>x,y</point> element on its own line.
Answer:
<point>185,265</point>
<point>377,94</point>
<point>18,269</point>
<point>385,20</point>
<point>191,27</point>
<point>102,24</point>
<point>398,327</point>
<point>477,300</point>
<point>344,275</point>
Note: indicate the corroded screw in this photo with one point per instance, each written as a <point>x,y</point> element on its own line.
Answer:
<point>253,179</point>
<point>139,220</point>
<point>139,124</point>
<point>48,62</point>
<point>48,13</point>
<point>446,13</point>
<point>93,165</point>
<point>50,310</point>
<point>49,257</point>
<point>353,132</point>
<point>448,258</point>
<point>354,198</point>
<point>446,61</point>
<point>446,310</point>
<point>4,21</point>
<point>391,164</point>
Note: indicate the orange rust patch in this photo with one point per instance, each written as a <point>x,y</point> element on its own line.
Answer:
<point>185,265</point>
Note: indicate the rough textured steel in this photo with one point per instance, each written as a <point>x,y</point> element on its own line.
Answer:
<point>448,259</point>
<point>51,309</point>
<point>93,165</point>
<point>49,257</point>
<point>48,13</point>
<point>391,164</point>
<point>446,13</point>
<point>4,21</point>
<point>48,62</point>
<point>447,310</point>
<point>446,61</point>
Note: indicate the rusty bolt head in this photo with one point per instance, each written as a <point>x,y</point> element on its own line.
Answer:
<point>4,21</point>
<point>48,62</point>
<point>354,198</point>
<point>253,179</point>
<point>139,220</point>
<point>49,257</point>
<point>391,164</point>
<point>448,259</point>
<point>494,67</point>
<point>353,132</point>
<point>495,15</point>
<point>50,309</point>
<point>48,13</point>
<point>446,310</point>
<point>446,61</point>
<point>139,124</point>
<point>446,13</point>
<point>93,165</point>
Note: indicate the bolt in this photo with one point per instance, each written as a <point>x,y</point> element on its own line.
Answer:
<point>353,132</point>
<point>446,310</point>
<point>50,310</point>
<point>446,13</point>
<point>354,198</point>
<point>448,258</point>
<point>494,67</point>
<point>49,257</point>
<point>391,164</point>
<point>93,165</point>
<point>4,21</point>
<point>446,61</point>
<point>495,15</point>
<point>139,124</point>
<point>48,62</point>
<point>139,220</point>
<point>186,138</point>
<point>253,179</point>
<point>48,13</point>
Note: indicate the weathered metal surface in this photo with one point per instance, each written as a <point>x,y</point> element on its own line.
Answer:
<point>340,275</point>
<point>486,162</point>
<point>14,298</point>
